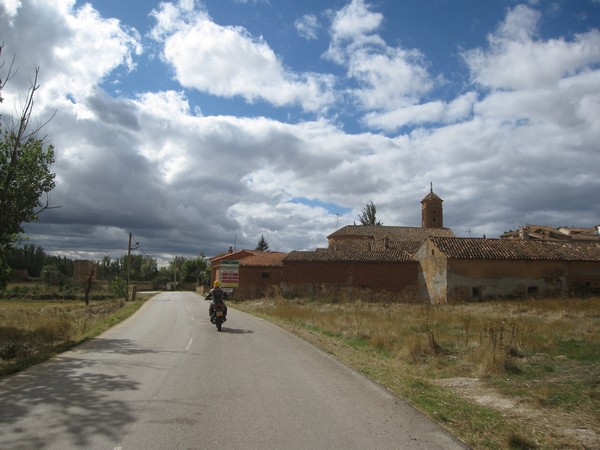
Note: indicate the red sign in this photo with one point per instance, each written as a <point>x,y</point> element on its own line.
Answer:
<point>229,274</point>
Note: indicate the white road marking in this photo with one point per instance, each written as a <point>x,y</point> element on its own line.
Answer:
<point>191,314</point>
<point>189,344</point>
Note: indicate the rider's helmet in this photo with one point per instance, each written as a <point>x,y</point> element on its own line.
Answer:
<point>217,284</point>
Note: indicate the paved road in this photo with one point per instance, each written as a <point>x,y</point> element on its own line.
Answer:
<point>166,379</point>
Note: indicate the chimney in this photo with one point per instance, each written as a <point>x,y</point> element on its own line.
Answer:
<point>524,233</point>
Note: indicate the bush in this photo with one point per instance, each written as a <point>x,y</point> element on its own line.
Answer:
<point>118,287</point>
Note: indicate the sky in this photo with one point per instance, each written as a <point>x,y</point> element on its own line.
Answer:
<point>202,125</point>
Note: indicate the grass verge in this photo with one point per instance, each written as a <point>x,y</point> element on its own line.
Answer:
<point>34,331</point>
<point>516,374</point>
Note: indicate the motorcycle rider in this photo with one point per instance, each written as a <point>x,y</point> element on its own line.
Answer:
<point>216,294</point>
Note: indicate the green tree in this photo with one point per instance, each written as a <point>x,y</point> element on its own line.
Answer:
<point>24,171</point>
<point>63,264</point>
<point>262,245</point>
<point>108,268</point>
<point>194,270</point>
<point>368,216</point>
<point>164,275</point>
<point>118,287</point>
<point>149,269</point>
<point>29,257</point>
<point>175,267</point>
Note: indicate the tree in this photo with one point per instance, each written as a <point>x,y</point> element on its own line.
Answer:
<point>194,270</point>
<point>262,245</point>
<point>368,215</point>
<point>24,171</point>
<point>149,269</point>
<point>29,257</point>
<point>176,266</point>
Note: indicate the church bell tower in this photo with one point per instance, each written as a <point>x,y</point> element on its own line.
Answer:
<point>432,214</point>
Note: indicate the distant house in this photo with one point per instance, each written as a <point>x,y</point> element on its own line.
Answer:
<point>466,269</point>
<point>215,261</point>
<point>377,270</point>
<point>260,272</point>
<point>547,233</point>
<point>257,270</point>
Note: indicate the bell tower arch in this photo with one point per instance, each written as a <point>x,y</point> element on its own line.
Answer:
<point>432,212</point>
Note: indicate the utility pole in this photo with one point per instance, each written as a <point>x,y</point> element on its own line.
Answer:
<point>128,264</point>
<point>175,271</point>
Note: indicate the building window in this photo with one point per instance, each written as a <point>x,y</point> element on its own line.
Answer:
<point>265,275</point>
<point>476,293</point>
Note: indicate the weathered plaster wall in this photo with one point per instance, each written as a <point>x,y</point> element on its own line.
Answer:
<point>432,282</point>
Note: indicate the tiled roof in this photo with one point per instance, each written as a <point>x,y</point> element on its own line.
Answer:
<point>240,254</point>
<point>408,247</point>
<point>544,232</point>
<point>348,256</point>
<point>374,245</point>
<point>351,245</point>
<point>514,249</point>
<point>398,234</point>
<point>264,259</point>
<point>431,196</point>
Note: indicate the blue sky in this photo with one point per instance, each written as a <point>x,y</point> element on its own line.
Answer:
<point>199,124</point>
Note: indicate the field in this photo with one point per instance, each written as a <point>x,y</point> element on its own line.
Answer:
<point>32,331</point>
<point>510,374</point>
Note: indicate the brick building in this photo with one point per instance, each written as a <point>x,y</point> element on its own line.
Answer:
<point>231,255</point>
<point>465,269</point>
<point>259,272</point>
<point>546,233</point>
<point>374,257</point>
<point>256,271</point>
<point>376,270</point>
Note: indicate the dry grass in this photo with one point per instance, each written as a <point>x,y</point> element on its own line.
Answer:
<point>31,331</point>
<point>505,374</point>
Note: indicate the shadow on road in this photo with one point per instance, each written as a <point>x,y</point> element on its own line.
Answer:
<point>236,331</point>
<point>64,394</point>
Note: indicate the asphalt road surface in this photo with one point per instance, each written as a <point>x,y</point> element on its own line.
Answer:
<point>166,379</point>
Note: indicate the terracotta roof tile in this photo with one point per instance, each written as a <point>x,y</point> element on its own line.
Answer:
<point>408,247</point>
<point>264,259</point>
<point>398,234</point>
<point>550,233</point>
<point>374,245</point>
<point>431,196</point>
<point>514,249</point>
<point>350,245</point>
<point>348,256</point>
<point>239,254</point>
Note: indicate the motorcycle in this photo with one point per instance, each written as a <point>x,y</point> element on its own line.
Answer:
<point>218,315</point>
